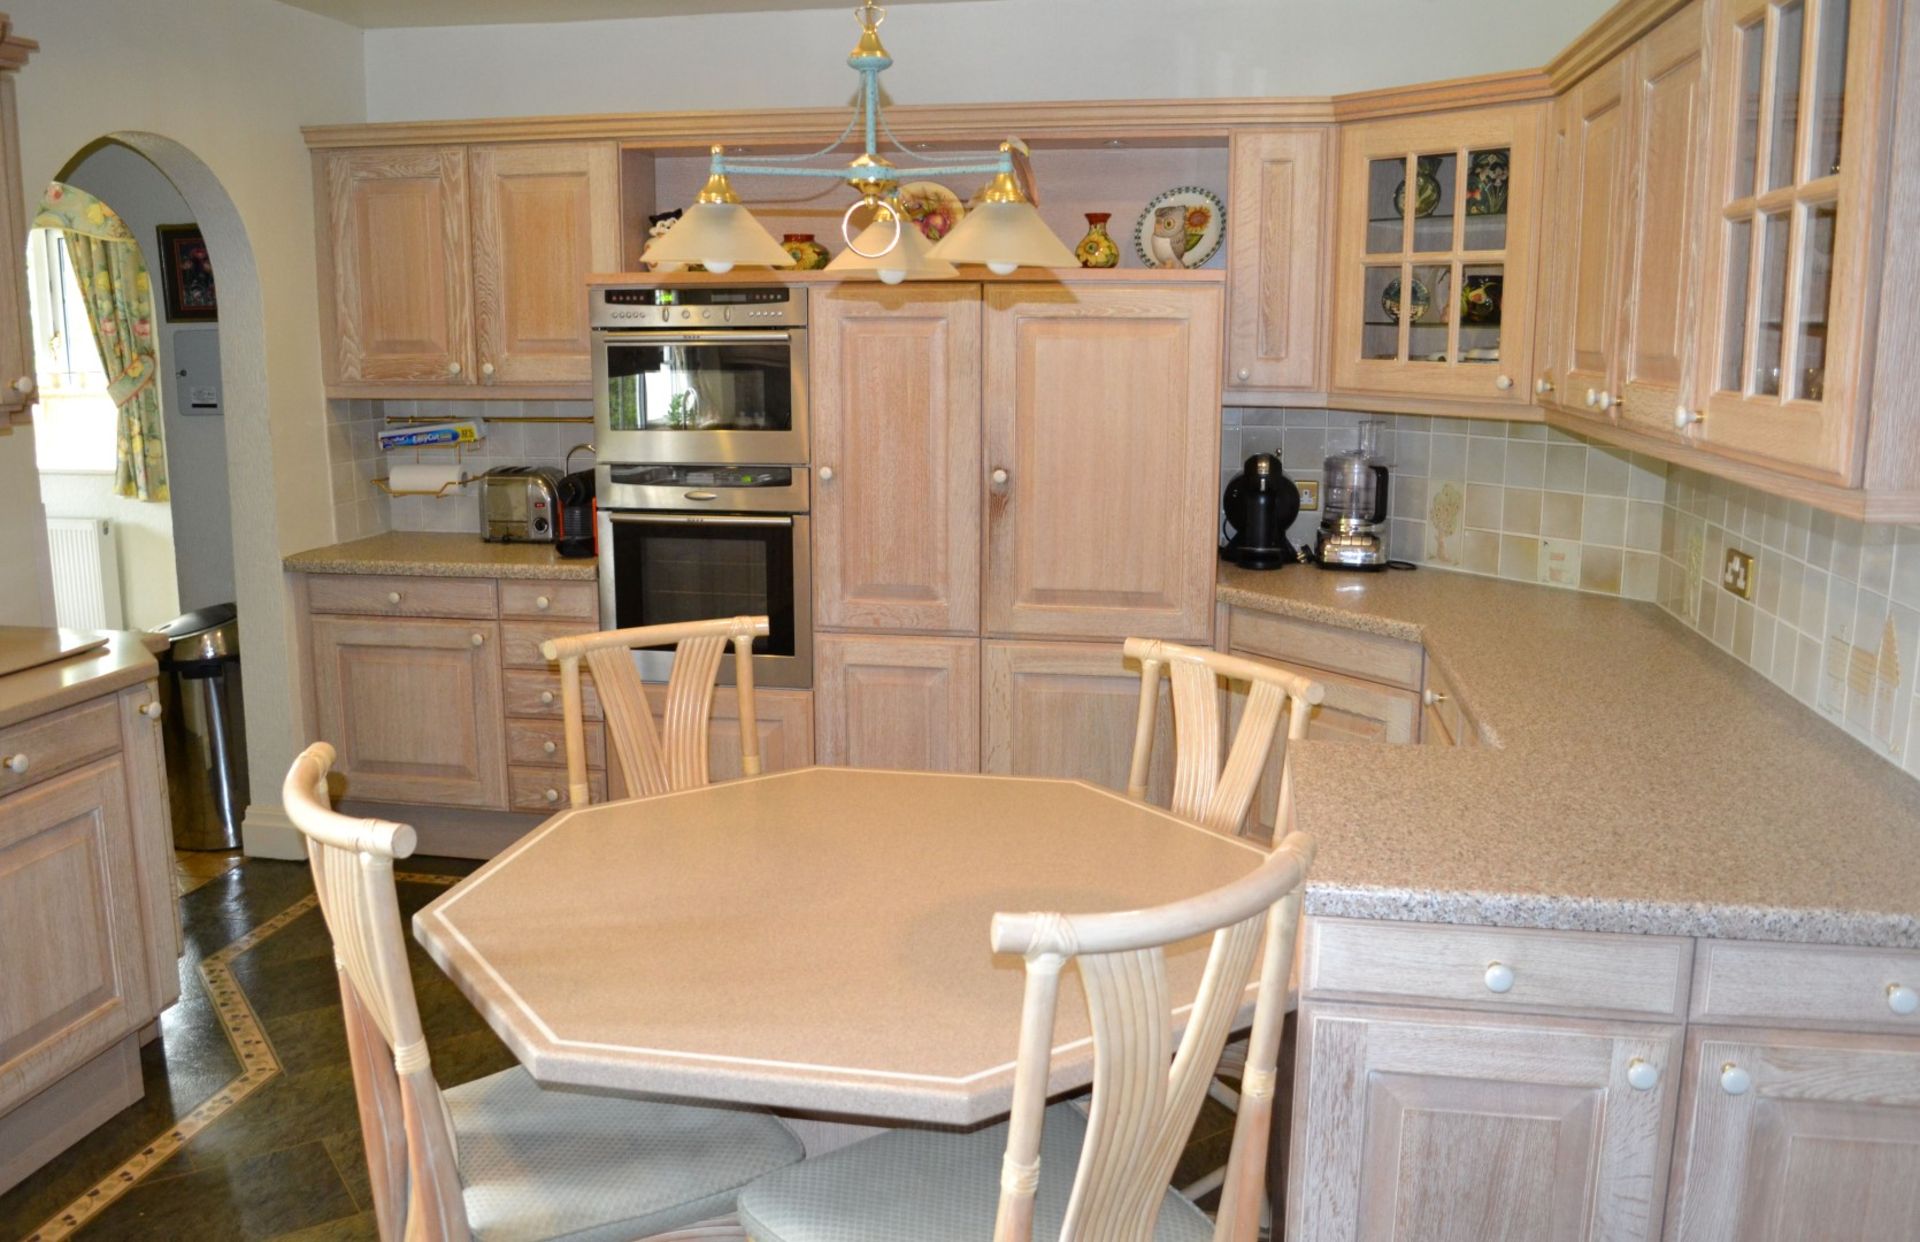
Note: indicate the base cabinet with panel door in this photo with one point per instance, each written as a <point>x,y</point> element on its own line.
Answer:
<point>458,271</point>
<point>89,927</point>
<point>1069,710</point>
<point>897,701</point>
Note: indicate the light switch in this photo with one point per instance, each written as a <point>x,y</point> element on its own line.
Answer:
<point>1736,574</point>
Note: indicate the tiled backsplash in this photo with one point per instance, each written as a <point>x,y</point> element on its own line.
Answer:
<point>361,508</point>
<point>1835,614</point>
<point>1506,499</point>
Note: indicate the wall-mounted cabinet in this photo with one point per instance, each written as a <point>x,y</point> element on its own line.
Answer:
<point>1277,263</point>
<point>1433,285</point>
<point>461,271</point>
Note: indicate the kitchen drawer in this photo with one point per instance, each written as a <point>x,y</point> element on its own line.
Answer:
<point>572,601</point>
<point>1582,973</point>
<point>50,745</point>
<point>543,743</point>
<point>520,642</point>
<point>1433,728</point>
<point>545,789</point>
<point>1803,985</point>
<point>532,692</point>
<point>1338,650</point>
<point>400,596</point>
<point>1442,703</point>
<point>1352,709</point>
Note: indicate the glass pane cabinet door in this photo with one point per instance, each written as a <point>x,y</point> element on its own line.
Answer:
<point>1431,231</point>
<point>1790,175</point>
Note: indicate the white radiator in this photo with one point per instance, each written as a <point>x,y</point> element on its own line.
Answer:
<point>86,573</point>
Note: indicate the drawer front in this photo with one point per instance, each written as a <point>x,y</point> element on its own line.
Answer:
<point>520,642</point>
<point>1354,709</point>
<point>399,596</point>
<point>543,743</point>
<point>50,745</point>
<point>1580,973</point>
<point>1339,650</point>
<point>545,789</point>
<point>571,601</point>
<point>536,693</point>
<point>1805,985</point>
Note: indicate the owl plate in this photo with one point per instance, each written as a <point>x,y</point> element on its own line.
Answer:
<point>1181,228</point>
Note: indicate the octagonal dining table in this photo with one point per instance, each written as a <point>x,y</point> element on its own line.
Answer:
<point>812,941</point>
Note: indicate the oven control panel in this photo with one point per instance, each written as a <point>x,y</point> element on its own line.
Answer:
<point>701,306</point>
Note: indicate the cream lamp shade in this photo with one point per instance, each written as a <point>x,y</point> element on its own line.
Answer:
<point>1005,232</point>
<point>718,236</point>
<point>909,258</point>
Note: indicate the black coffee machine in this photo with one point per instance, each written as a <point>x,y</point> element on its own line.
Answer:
<point>1260,504</point>
<point>578,534</point>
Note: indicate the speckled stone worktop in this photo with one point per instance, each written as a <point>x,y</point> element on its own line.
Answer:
<point>126,660</point>
<point>427,554</point>
<point>1635,779</point>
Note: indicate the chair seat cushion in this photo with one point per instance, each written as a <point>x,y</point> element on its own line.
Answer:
<point>930,1186</point>
<point>540,1163</point>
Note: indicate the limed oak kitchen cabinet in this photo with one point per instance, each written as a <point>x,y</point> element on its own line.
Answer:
<point>16,325</point>
<point>1282,191</point>
<point>458,271</point>
<point>1094,469</point>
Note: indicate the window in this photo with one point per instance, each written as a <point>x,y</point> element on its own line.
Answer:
<point>73,419</point>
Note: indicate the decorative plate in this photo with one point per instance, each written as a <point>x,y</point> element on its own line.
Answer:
<point>1418,305</point>
<point>1480,298</point>
<point>1487,183</point>
<point>933,208</point>
<point>1181,228</point>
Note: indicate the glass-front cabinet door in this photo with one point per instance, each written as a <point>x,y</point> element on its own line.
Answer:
<point>1433,295</point>
<point>1793,172</point>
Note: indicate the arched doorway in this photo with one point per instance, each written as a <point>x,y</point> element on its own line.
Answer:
<point>252,527</point>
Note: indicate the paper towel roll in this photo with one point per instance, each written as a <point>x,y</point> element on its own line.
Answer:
<point>421,478</point>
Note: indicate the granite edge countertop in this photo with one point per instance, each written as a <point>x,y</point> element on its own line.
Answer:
<point>126,660</point>
<point>442,554</point>
<point>1594,805</point>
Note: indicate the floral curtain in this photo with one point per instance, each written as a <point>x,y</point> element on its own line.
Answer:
<point>113,278</point>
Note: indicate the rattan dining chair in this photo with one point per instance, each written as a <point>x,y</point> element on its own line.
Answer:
<point>1057,1174</point>
<point>1204,790</point>
<point>500,1157</point>
<point>672,755</point>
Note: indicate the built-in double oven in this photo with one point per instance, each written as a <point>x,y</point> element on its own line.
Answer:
<point>700,411</point>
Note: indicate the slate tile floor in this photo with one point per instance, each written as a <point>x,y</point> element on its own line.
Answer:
<point>285,1162</point>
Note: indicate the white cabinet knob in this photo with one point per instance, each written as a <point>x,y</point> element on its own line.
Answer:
<point>1499,977</point>
<point>542,603</point>
<point>393,597</point>
<point>453,368</point>
<point>548,748</point>
<point>24,384</point>
<point>1503,382</point>
<point>999,477</point>
<point>150,710</point>
<point>1244,373</point>
<point>1605,401</point>
<point>1734,1080</point>
<point>546,696</point>
<point>1641,1074</point>
<point>486,369</point>
<point>17,764</point>
<point>1433,698</point>
<point>1901,999</point>
<point>479,640</point>
<point>826,474</point>
<point>1543,386</point>
<point>1684,418</point>
<point>552,795</point>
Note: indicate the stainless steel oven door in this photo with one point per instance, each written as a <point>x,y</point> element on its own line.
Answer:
<point>658,567</point>
<point>699,396</point>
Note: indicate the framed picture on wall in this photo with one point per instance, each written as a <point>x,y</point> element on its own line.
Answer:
<point>187,273</point>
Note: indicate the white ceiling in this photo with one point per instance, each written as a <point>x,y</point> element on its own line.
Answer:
<point>373,14</point>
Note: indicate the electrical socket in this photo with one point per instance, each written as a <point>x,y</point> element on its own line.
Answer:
<point>1309,495</point>
<point>1736,574</point>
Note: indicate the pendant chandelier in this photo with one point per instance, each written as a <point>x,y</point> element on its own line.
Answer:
<point>1003,231</point>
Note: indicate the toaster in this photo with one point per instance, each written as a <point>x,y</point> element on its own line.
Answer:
<point>520,504</point>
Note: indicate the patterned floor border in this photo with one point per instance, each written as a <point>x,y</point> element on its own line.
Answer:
<point>259,1065</point>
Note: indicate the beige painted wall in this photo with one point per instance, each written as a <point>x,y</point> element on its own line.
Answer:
<point>997,50</point>
<point>231,81</point>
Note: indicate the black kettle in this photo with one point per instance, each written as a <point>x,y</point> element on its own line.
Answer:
<point>1260,504</point>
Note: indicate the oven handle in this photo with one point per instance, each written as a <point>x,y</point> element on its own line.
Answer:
<point>702,519</point>
<point>629,336</point>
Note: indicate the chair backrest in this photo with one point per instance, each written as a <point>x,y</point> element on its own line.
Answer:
<point>1146,1091</point>
<point>657,759</point>
<point>403,1120</point>
<point>1204,790</point>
